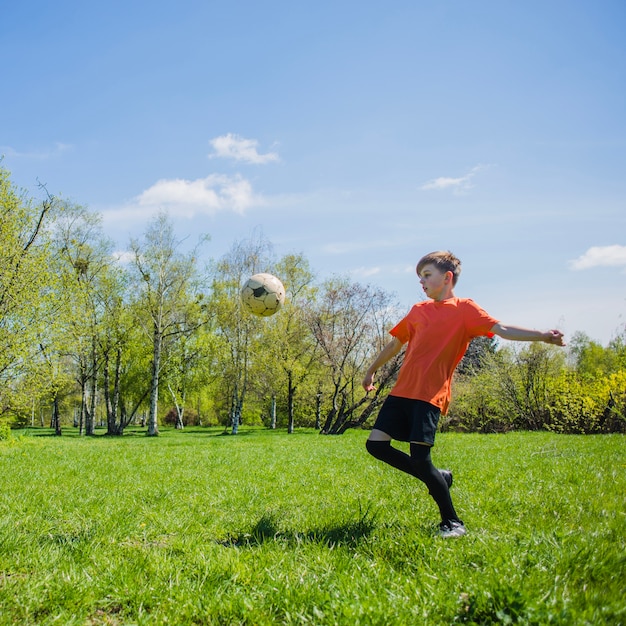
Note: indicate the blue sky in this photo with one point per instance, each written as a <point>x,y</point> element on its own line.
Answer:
<point>362,134</point>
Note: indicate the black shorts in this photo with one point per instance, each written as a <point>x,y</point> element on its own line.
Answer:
<point>404,419</point>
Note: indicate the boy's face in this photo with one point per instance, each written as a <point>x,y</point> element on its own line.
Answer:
<point>435,283</point>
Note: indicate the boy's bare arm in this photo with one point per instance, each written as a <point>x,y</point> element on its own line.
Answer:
<point>386,354</point>
<point>517,333</point>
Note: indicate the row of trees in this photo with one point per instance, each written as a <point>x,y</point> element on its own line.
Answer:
<point>89,337</point>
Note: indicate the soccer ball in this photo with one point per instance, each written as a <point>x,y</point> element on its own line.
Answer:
<point>263,294</point>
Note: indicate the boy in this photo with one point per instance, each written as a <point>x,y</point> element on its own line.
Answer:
<point>438,332</point>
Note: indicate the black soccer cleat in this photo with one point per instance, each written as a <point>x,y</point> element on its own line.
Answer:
<point>453,528</point>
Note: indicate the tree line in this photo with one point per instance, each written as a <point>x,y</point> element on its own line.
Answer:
<point>90,338</point>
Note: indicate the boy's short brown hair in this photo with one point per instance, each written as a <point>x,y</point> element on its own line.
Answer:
<point>444,261</point>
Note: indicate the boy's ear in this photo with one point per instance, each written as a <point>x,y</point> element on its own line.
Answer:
<point>449,276</point>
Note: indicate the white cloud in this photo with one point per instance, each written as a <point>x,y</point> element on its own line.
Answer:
<point>601,256</point>
<point>364,272</point>
<point>45,153</point>
<point>456,184</point>
<point>123,257</point>
<point>208,195</point>
<point>190,198</point>
<point>231,146</point>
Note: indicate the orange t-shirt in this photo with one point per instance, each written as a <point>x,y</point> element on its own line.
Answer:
<point>438,334</point>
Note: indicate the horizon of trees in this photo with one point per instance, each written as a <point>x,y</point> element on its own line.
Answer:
<point>91,340</point>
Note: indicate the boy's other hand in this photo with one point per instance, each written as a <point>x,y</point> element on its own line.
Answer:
<point>555,337</point>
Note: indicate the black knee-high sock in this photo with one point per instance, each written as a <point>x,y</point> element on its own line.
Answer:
<point>424,469</point>
<point>384,451</point>
<point>419,465</point>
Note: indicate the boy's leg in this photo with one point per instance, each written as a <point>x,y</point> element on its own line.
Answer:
<point>424,469</point>
<point>384,451</point>
<point>379,446</point>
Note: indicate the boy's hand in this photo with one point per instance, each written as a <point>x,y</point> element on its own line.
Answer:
<point>368,382</point>
<point>555,337</point>
<point>388,352</point>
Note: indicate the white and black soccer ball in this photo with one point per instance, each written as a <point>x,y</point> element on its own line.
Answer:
<point>263,294</point>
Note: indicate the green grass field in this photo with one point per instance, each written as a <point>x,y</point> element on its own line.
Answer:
<point>264,528</point>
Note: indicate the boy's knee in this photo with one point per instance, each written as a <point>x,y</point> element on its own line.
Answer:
<point>377,448</point>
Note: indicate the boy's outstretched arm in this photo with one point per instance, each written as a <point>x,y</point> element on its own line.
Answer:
<point>386,354</point>
<point>517,333</point>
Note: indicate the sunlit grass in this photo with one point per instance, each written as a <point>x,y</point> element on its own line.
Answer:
<point>264,528</point>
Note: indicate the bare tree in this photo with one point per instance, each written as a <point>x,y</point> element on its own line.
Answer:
<point>350,325</point>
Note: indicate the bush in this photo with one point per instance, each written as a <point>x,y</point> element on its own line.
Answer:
<point>5,431</point>
<point>476,405</point>
<point>190,417</point>
<point>533,389</point>
<point>588,404</point>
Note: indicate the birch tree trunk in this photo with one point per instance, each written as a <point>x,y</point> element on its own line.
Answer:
<point>180,407</point>
<point>236,409</point>
<point>153,426</point>
<point>290,401</point>
<point>273,413</point>
<point>56,417</point>
<point>90,424</point>
<point>168,279</point>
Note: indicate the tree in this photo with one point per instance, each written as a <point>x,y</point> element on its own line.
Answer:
<point>236,329</point>
<point>349,325</point>
<point>24,288</point>
<point>55,383</point>
<point>524,383</point>
<point>479,349</point>
<point>167,285</point>
<point>590,396</point>
<point>512,390</point>
<point>591,359</point>
<point>123,352</point>
<point>289,342</point>
<point>189,357</point>
<point>82,261</point>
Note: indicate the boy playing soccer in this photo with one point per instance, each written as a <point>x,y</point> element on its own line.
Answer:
<point>437,332</point>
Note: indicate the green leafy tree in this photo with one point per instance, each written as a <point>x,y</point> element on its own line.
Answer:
<point>82,263</point>
<point>25,308</point>
<point>124,353</point>
<point>290,352</point>
<point>238,331</point>
<point>189,357</point>
<point>166,284</point>
<point>584,405</point>
<point>592,359</point>
<point>590,396</point>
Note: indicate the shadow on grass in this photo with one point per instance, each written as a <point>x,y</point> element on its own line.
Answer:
<point>349,533</point>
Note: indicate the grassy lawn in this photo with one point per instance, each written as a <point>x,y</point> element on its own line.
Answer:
<point>264,528</point>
